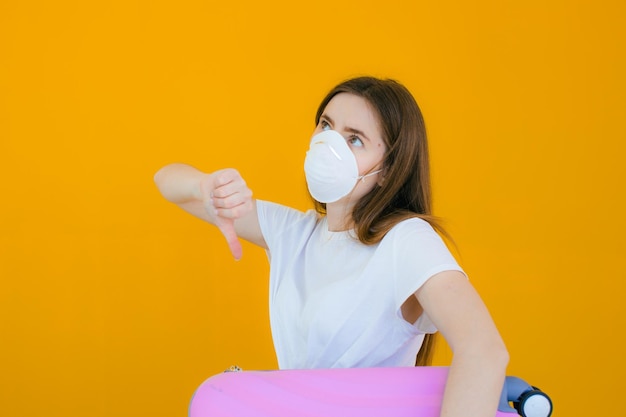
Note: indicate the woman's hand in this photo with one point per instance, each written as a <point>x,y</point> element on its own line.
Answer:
<point>221,198</point>
<point>226,198</point>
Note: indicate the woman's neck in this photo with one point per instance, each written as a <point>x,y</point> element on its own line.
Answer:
<point>339,217</point>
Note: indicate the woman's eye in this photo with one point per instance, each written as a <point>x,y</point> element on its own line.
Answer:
<point>324,125</point>
<point>355,141</point>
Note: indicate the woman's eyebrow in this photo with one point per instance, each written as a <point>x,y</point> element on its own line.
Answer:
<point>358,133</point>
<point>349,129</point>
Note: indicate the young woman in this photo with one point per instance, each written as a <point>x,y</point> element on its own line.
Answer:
<point>361,280</point>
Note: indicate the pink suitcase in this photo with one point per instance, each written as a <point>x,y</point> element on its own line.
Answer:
<point>362,392</point>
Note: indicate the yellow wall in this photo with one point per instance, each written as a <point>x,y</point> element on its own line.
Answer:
<point>114,303</point>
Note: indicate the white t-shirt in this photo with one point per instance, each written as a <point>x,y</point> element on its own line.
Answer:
<point>335,302</point>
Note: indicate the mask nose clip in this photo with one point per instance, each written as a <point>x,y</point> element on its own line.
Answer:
<point>334,152</point>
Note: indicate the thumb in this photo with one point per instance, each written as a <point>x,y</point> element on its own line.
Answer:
<point>227,227</point>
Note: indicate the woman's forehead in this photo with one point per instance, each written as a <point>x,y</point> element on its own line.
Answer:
<point>353,111</point>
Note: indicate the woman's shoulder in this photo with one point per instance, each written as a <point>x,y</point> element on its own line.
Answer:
<point>282,225</point>
<point>412,225</point>
<point>278,215</point>
<point>411,233</point>
<point>415,244</point>
<point>281,209</point>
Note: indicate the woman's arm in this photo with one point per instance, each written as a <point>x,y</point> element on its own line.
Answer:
<point>221,198</point>
<point>478,369</point>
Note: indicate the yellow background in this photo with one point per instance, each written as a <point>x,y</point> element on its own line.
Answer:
<point>115,303</point>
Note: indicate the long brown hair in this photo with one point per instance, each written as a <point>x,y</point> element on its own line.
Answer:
<point>405,190</point>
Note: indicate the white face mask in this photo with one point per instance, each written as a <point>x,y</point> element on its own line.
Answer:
<point>330,167</point>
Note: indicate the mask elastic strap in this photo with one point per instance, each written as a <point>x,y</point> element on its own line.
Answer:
<point>362,177</point>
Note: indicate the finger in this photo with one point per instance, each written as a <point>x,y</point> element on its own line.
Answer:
<point>230,188</point>
<point>233,201</point>
<point>227,227</point>
<point>225,177</point>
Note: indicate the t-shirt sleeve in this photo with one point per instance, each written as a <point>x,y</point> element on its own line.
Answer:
<point>418,254</point>
<point>276,221</point>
